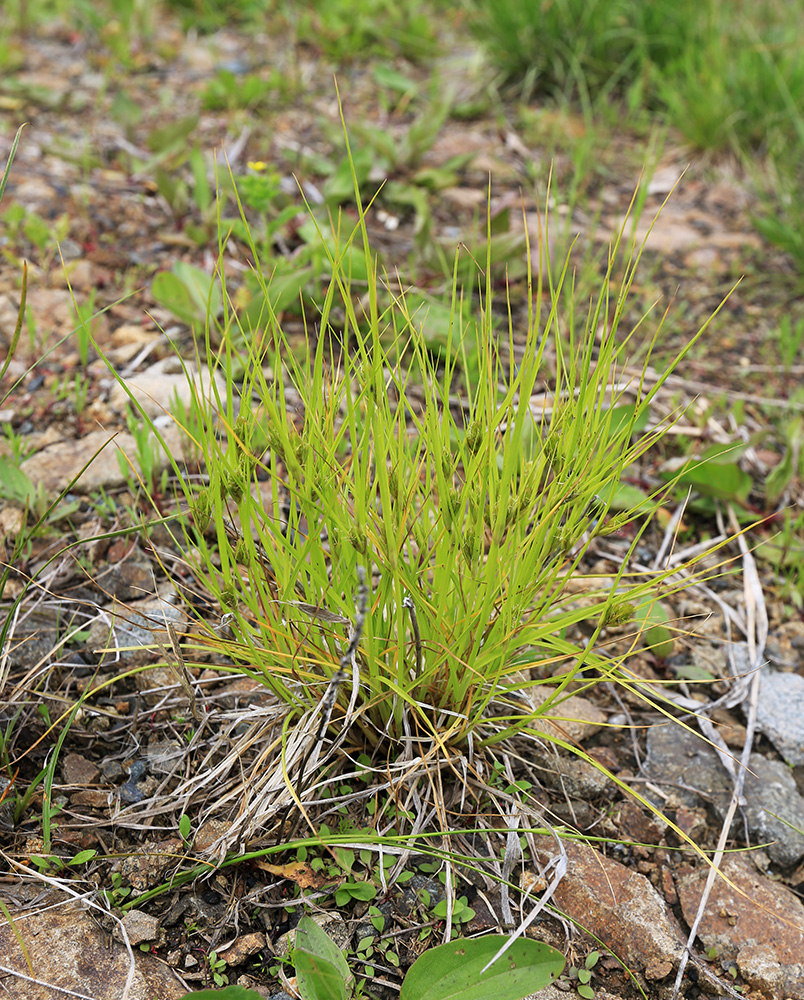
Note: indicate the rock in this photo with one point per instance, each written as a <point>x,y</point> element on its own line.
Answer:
<point>244,691</point>
<point>780,713</point>
<point>69,951</point>
<point>243,948</point>
<point>91,798</point>
<point>574,777</point>
<point>759,924</point>
<point>12,521</point>
<point>573,719</point>
<point>146,866</point>
<point>129,580</point>
<point>82,277</point>
<point>56,466</point>
<point>617,905</point>
<point>77,770</point>
<point>771,792</point>
<point>155,388</point>
<point>163,756</point>
<point>679,757</point>
<point>637,824</point>
<point>139,927</point>
<point>126,630</point>
<point>34,638</point>
<point>112,770</point>
<point>209,833</point>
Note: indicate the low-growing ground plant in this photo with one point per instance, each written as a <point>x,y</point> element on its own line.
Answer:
<point>467,968</point>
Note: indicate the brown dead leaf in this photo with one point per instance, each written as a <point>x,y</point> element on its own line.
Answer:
<point>299,872</point>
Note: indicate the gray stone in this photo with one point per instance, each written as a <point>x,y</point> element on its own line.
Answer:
<point>127,630</point>
<point>32,640</point>
<point>780,713</point>
<point>770,790</point>
<point>77,770</point>
<point>684,766</point>
<point>574,777</point>
<point>679,757</point>
<point>140,927</point>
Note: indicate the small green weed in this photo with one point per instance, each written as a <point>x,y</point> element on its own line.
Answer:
<point>228,91</point>
<point>217,969</point>
<point>580,978</point>
<point>148,452</point>
<point>52,863</point>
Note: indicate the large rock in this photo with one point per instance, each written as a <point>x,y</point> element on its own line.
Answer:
<point>780,713</point>
<point>619,907</point>
<point>57,466</point>
<point>754,922</point>
<point>774,809</point>
<point>69,951</point>
<point>155,388</point>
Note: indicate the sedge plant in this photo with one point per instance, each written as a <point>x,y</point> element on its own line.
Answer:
<point>396,550</point>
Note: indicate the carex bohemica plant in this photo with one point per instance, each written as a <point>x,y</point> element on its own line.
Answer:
<point>397,554</point>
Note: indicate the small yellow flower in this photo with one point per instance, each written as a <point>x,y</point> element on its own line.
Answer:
<point>257,165</point>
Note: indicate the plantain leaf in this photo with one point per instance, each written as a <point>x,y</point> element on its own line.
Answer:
<point>321,969</point>
<point>453,971</point>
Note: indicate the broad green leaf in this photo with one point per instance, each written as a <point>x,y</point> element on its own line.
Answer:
<point>229,993</point>
<point>339,187</point>
<point>437,320</point>
<point>623,417</point>
<point>453,971</point>
<point>345,858</point>
<point>14,483</point>
<point>624,496</point>
<point>723,453</point>
<point>284,290</point>
<point>171,292</point>
<point>387,76</point>
<point>203,288</point>
<point>656,635</point>
<point>83,856</point>
<point>691,672</point>
<point>410,196</point>
<point>317,978</point>
<point>202,191</point>
<point>185,291</point>
<point>362,890</point>
<point>171,136</point>
<point>724,482</point>
<point>436,178</point>
<point>781,553</point>
<point>313,940</point>
<point>352,262</point>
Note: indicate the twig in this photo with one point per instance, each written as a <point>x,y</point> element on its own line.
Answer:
<point>756,634</point>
